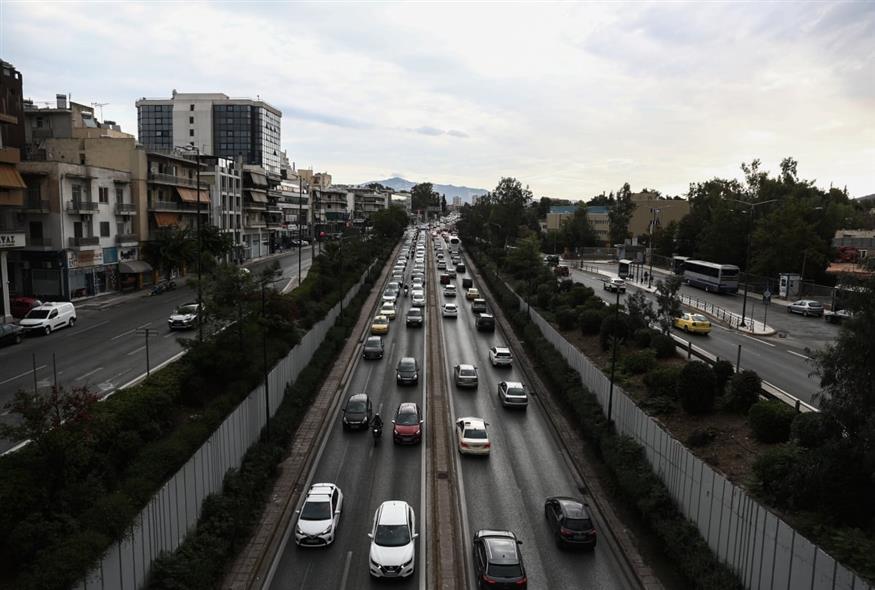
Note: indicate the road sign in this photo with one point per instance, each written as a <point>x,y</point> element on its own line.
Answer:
<point>767,297</point>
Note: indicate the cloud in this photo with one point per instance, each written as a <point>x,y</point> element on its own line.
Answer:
<point>429,131</point>
<point>456,133</point>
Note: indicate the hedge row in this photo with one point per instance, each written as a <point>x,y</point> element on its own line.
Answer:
<point>626,460</point>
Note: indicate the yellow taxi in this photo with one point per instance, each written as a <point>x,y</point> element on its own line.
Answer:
<point>694,323</point>
<point>472,294</point>
<point>380,325</point>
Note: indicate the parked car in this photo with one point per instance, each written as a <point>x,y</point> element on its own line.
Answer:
<point>415,317</point>
<point>472,437</point>
<point>570,521</point>
<point>806,307</point>
<point>407,371</point>
<point>694,323</point>
<point>392,553</point>
<point>498,562</point>
<point>380,325</point>
<point>19,306</point>
<point>465,375</point>
<point>10,333</point>
<point>551,259</point>
<point>513,394</point>
<point>449,310</point>
<point>561,270</point>
<point>319,516</point>
<point>357,412</point>
<point>407,424</point>
<point>485,322</point>
<point>500,356</point>
<point>479,306</point>
<point>49,317</point>
<point>373,348</point>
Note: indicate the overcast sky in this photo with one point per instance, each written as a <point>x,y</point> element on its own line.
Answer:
<point>571,99</point>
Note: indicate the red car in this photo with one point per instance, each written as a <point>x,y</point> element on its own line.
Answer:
<point>21,305</point>
<point>407,424</point>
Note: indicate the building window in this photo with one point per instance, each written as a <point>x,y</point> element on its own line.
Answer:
<point>39,122</point>
<point>77,229</point>
<point>103,194</point>
<point>191,132</point>
<point>77,193</point>
<point>82,159</point>
<point>104,229</point>
<point>119,195</point>
<point>191,107</point>
<point>191,120</point>
<point>36,230</point>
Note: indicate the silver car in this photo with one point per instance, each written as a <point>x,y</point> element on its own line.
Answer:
<point>465,375</point>
<point>807,307</point>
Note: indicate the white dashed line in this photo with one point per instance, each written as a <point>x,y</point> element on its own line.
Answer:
<point>807,358</point>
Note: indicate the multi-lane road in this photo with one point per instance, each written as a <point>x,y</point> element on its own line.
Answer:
<point>505,490</point>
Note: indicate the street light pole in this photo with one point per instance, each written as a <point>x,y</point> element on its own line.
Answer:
<point>300,205</point>
<point>753,207</point>
<point>653,217</point>
<point>614,357</point>
<point>200,250</point>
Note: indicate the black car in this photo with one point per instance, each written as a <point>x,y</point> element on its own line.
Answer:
<point>485,322</point>
<point>570,521</point>
<point>407,371</point>
<point>357,412</point>
<point>414,317</point>
<point>460,268</point>
<point>10,333</point>
<point>373,348</point>
<point>498,562</point>
<point>467,283</point>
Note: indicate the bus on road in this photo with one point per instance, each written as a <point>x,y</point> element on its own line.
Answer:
<point>454,244</point>
<point>677,264</point>
<point>710,276</point>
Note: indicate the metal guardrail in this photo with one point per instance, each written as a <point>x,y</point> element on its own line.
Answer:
<point>730,317</point>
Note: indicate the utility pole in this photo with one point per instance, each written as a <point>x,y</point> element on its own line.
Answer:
<point>614,358</point>
<point>653,219</point>
<point>146,332</point>
<point>200,251</point>
<point>300,237</point>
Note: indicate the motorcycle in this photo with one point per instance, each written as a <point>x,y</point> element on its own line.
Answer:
<point>377,432</point>
<point>161,287</point>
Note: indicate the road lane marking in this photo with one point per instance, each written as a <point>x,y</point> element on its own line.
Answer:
<point>346,570</point>
<point>88,374</point>
<point>130,331</point>
<point>758,340</point>
<point>802,356</point>
<point>91,327</point>
<point>30,372</point>
<point>136,350</point>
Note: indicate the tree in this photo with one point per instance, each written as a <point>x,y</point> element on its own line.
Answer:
<point>172,250</point>
<point>389,223</point>
<point>423,196</point>
<point>443,204</point>
<point>510,200</point>
<point>543,207</point>
<point>577,232</point>
<point>664,239</point>
<point>668,303</point>
<point>619,215</point>
<point>640,310</point>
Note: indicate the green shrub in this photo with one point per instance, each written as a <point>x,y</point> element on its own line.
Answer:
<point>701,437</point>
<point>643,337</point>
<point>566,318</point>
<point>770,421</point>
<point>658,405</point>
<point>591,321</point>
<point>744,391</point>
<point>723,371</point>
<point>663,345</point>
<point>663,381</point>
<point>639,362</point>
<point>696,387</point>
<point>811,430</point>
<point>775,471</point>
<point>613,326</point>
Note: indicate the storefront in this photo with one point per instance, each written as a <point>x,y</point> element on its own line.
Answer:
<point>134,274</point>
<point>88,275</point>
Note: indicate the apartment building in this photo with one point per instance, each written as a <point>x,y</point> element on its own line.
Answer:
<point>12,233</point>
<point>215,124</point>
<point>330,208</point>
<point>225,179</point>
<point>364,202</point>
<point>651,209</point>
<point>295,207</point>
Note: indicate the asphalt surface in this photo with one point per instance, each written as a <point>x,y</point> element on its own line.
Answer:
<point>103,351</point>
<point>782,359</point>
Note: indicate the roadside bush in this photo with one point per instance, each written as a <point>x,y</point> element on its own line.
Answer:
<point>663,345</point>
<point>770,421</point>
<point>744,391</point>
<point>591,321</point>
<point>544,296</point>
<point>566,318</point>
<point>643,337</point>
<point>696,388</point>
<point>658,405</point>
<point>613,326</point>
<point>663,381</point>
<point>639,362</point>
<point>775,471</point>
<point>811,430</point>
<point>701,437</point>
<point>723,371</point>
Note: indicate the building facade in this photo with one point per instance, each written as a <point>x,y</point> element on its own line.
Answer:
<point>215,124</point>
<point>12,185</point>
<point>225,179</point>
<point>330,207</point>
<point>651,210</point>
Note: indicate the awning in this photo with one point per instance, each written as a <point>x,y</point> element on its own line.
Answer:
<point>166,219</point>
<point>134,267</point>
<point>10,178</point>
<point>13,198</point>
<point>257,196</point>
<point>258,179</point>
<point>189,195</point>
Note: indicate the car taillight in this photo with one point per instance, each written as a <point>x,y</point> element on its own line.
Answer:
<point>566,532</point>
<point>487,579</point>
<point>522,582</point>
<point>464,445</point>
<point>487,445</point>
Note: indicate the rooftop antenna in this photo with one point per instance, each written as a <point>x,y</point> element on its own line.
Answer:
<point>100,105</point>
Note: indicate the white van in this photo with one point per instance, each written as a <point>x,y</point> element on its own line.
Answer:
<point>49,317</point>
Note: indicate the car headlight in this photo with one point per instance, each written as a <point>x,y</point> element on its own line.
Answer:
<point>416,375</point>
<point>408,563</point>
<point>399,376</point>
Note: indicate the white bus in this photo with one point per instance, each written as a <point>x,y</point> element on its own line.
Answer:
<point>719,278</point>
<point>677,264</point>
<point>454,244</point>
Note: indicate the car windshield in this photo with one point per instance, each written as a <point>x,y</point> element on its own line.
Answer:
<point>356,406</point>
<point>187,309</point>
<point>373,342</point>
<point>37,314</point>
<point>699,318</point>
<point>407,418</point>
<point>515,391</point>
<point>578,524</point>
<point>503,570</point>
<point>414,312</point>
<point>477,433</point>
<point>407,365</point>
<point>316,511</point>
<point>392,535</point>
<point>379,320</point>
<point>466,372</point>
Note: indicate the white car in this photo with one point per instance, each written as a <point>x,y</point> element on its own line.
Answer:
<point>418,299</point>
<point>394,285</point>
<point>393,554</point>
<point>319,517</point>
<point>449,310</point>
<point>513,394</point>
<point>48,317</point>
<point>185,316</point>
<point>388,310</point>
<point>472,436</point>
<point>500,356</point>
<point>390,295</point>
<point>450,290</point>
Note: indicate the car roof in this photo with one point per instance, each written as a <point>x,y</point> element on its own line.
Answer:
<point>322,488</point>
<point>515,384</point>
<point>372,339</point>
<point>466,366</point>
<point>501,349</point>
<point>393,512</point>
<point>407,359</point>
<point>405,407</point>
<point>414,311</point>
<point>473,422</point>
<point>358,397</point>
<point>381,318</point>
<point>501,550</point>
<point>572,507</point>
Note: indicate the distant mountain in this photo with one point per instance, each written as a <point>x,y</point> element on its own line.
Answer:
<point>867,198</point>
<point>450,190</point>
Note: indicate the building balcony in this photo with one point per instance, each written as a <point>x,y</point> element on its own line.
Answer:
<point>126,238</point>
<point>254,206</point>
<point>177,207</point>
<point>82,207</point>
<point>84,241</point>
<point>36,206</point>
<point>125,209</point>
<point>43,243</point>
<point>10,155</point>
<point>161,178</point>
<point>254,223</point>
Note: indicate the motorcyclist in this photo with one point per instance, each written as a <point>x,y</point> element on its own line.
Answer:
<point>377,422</point>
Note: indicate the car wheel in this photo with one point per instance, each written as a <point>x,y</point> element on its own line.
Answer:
<point>47,330</point>
<point>71,322</point>
<point>18,338</point>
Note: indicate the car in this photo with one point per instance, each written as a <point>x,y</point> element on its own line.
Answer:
<point>561,270</point>
<point>407,371</point>
<point>472,293</point>
<point>10,333</point>
<point>513,394</point>
<point>373,348</point>
<point>48,317</point>
<point>694,323</point>
<point>394,285</point>
<point>417,299</point>
<point>357,412</point>
<point>498,562</point>
<point>415,317</point>
<point>319,516</point>
<point>380,325</point>
<point>500,356</point>
<point>465,375</point>
<point>19,306</point>
<point>407,424</point>
<point>451,272</point>
<point>570,521</point>
<point>441,265</point>
<point>185,317</point>
<point>393,553</point>
<point>615,284</point>
<point>807,307</point>
<point>460,268</point>
<point>449,310</point>
<point>837,317</point>
<point>479,306</point>
<point>388,310</point>
<point>450,291</point>
<point>390,295</point>
<point>472,437</point>
<point>445,279</point>
<point>485,322</point>
<point>467,283</point>
<point>551,259</point>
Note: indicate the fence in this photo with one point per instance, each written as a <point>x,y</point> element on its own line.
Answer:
<point>164,522</point>
<point>761,548</point>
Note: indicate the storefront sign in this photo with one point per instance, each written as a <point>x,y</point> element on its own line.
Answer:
<point>12,240</point>
<point>126,254</point>
<point>84,258</point>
